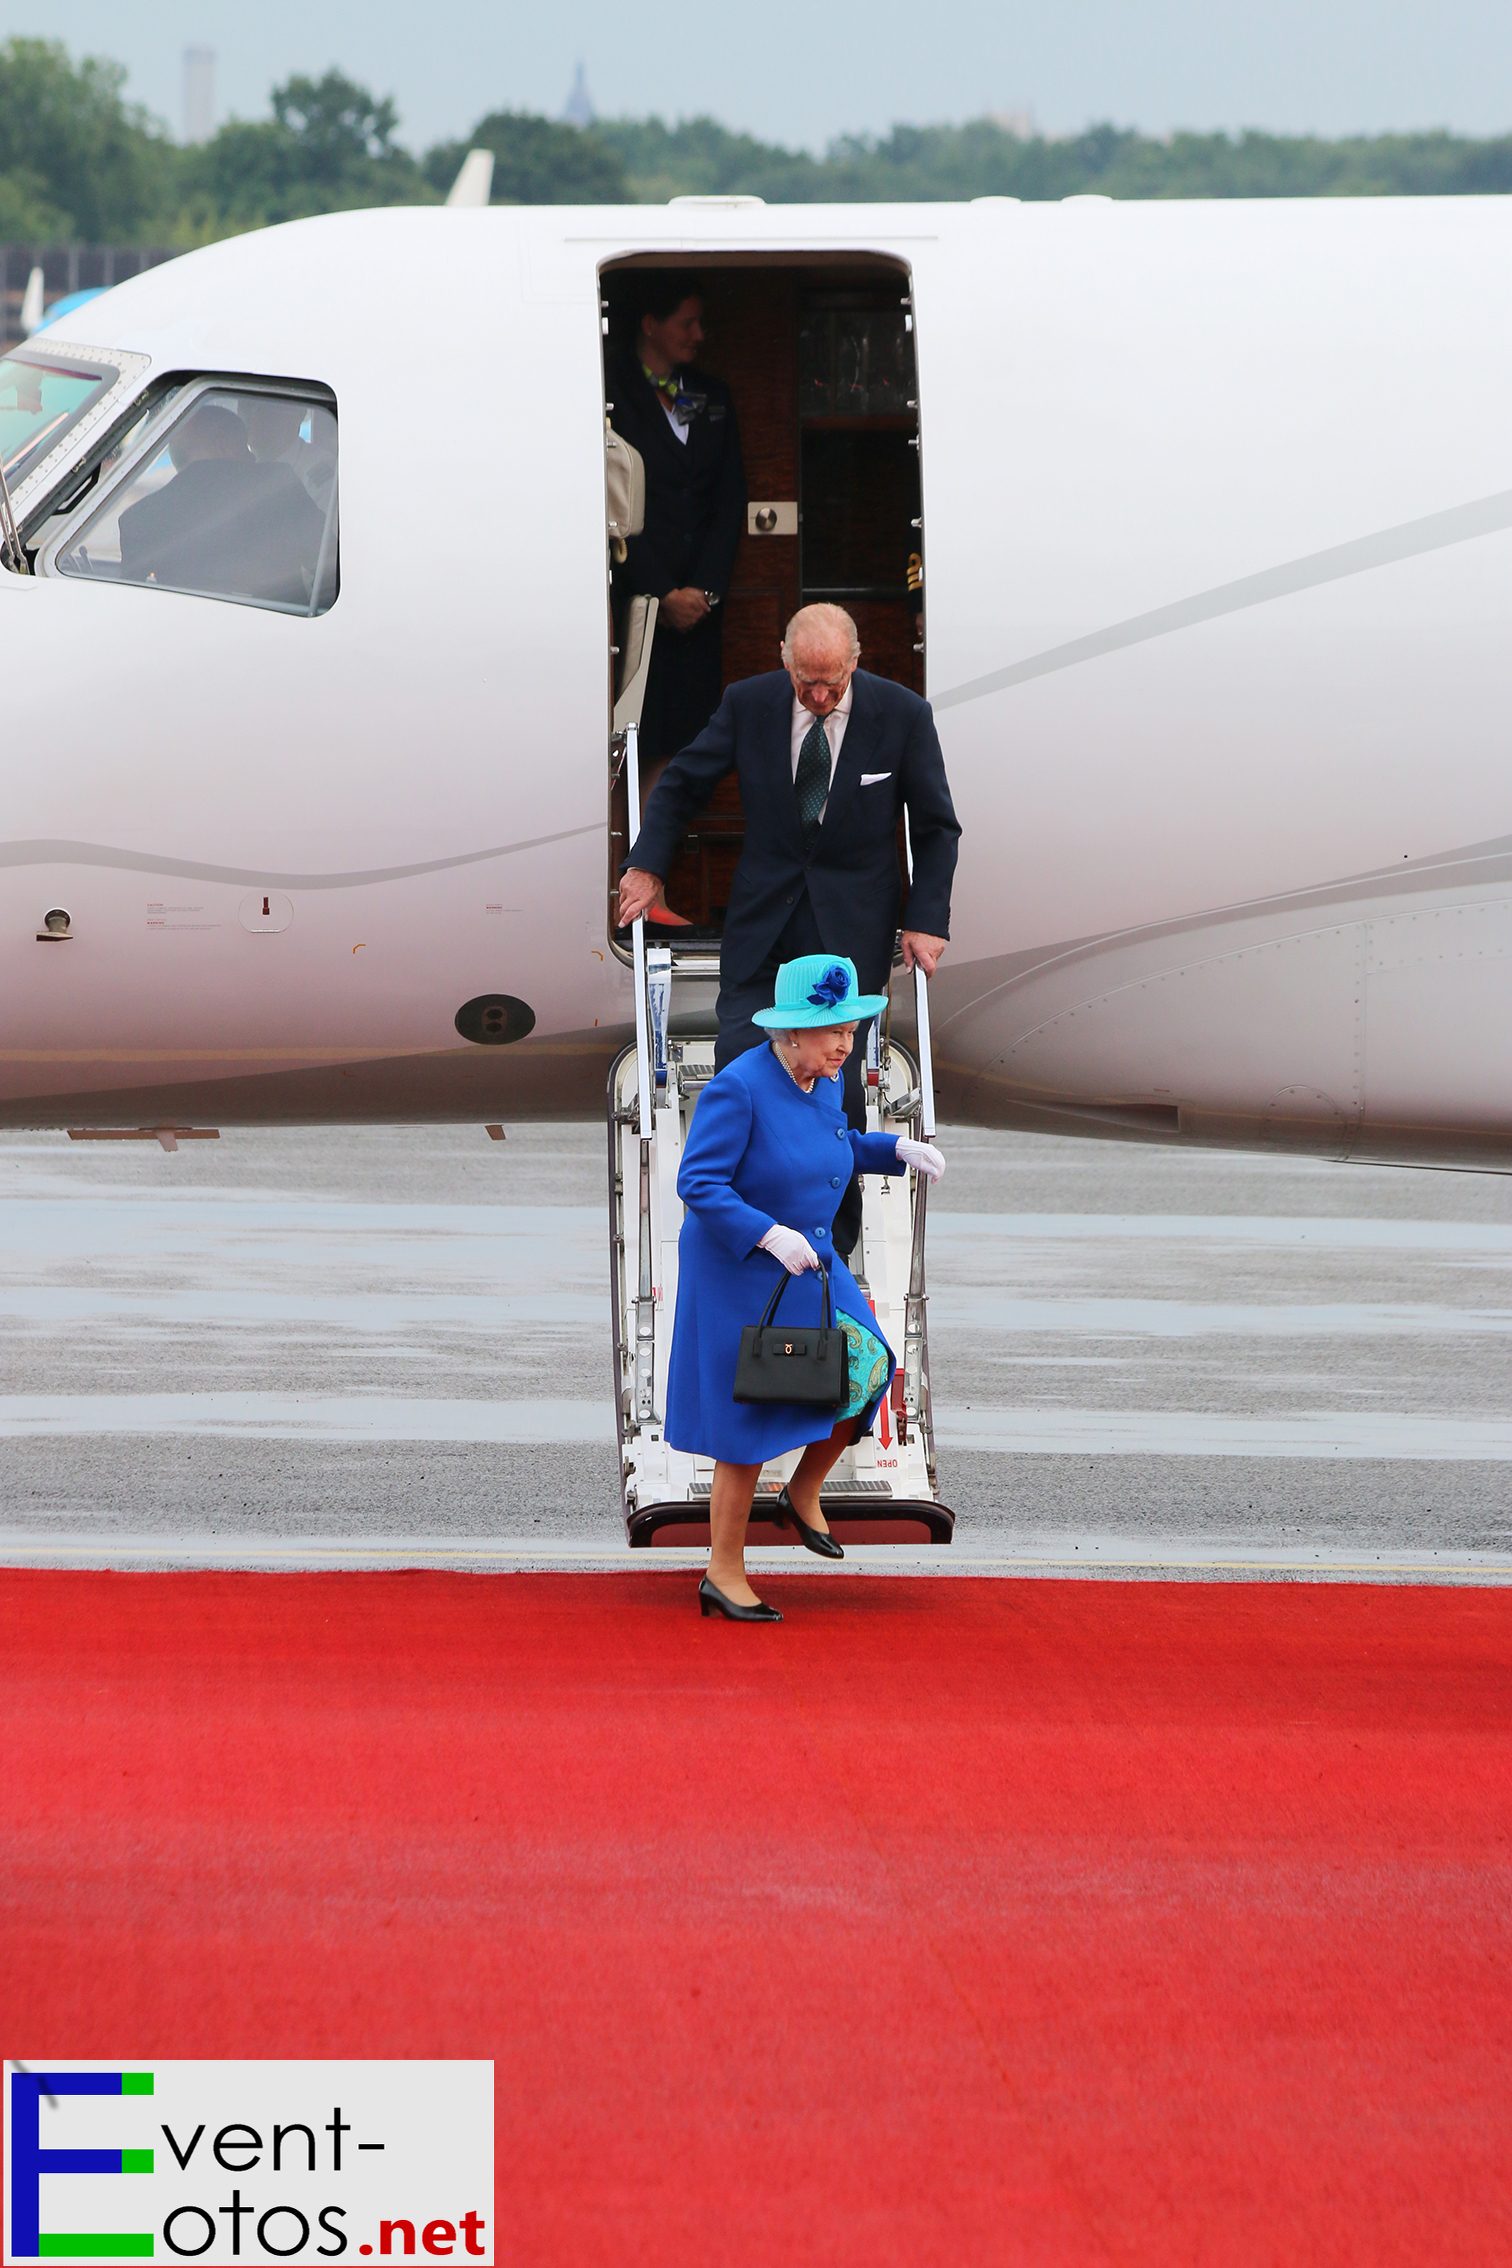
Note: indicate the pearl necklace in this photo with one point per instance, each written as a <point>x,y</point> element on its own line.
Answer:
<point>792,1074</point>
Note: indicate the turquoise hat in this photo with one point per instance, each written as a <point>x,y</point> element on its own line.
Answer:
<point>821,988</point>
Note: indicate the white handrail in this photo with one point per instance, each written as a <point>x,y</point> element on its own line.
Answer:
<point>921,1006</point>
<point>926,1054</point>
<point>645,1296</point>
<point>638,941</point>
<point>916,1397</point>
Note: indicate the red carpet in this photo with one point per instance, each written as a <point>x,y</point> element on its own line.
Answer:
<point>952,1922</point>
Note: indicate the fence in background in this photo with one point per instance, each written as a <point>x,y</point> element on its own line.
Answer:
<point>67,268</point>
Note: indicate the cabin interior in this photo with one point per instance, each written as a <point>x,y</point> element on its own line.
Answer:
<point>819,355</point>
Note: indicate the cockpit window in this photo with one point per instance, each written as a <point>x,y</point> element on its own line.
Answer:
<point>38,402</point>
<point>236,501</point>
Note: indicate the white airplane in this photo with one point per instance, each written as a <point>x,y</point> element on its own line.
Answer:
<point>1216,501</point>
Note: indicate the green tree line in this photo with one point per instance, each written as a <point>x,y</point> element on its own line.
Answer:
<point>79,162</point>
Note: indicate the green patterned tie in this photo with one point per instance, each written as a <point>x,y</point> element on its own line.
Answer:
<point>812,780</point>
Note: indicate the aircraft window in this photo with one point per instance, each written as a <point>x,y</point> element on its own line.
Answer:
<point>38,402</point>
<point>237,501</point>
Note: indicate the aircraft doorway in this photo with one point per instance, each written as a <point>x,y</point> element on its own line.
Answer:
<point>818,356</point>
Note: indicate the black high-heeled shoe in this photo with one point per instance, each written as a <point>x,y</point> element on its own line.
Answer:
<point>812,1539</point>
<point>711,1600</point>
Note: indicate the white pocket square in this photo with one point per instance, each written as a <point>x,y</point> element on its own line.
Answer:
<point>870,779</point>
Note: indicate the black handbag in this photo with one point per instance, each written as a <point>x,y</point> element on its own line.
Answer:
<point>806,1363</point>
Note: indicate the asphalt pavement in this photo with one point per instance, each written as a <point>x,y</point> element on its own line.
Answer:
<point>1139,1355</point>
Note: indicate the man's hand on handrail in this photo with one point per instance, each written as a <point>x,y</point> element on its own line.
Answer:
<point>919,946</point>
<point>643,893</point>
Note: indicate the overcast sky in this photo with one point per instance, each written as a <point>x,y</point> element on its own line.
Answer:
<point>797,74</point>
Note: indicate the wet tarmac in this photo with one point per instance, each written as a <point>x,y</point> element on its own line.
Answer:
<point>403,1334</point>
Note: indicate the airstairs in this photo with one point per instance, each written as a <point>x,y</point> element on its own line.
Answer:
<point>883,1490</point>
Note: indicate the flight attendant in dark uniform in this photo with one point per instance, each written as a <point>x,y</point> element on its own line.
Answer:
<point>682,421</point>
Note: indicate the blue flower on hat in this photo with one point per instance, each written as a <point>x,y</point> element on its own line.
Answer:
<point>831,988</point>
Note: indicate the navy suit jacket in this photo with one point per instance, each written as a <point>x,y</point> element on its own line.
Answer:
<point>851,875</point>
<point>695,489</point>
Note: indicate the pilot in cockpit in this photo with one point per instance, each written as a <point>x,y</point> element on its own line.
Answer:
<point>225,522</point>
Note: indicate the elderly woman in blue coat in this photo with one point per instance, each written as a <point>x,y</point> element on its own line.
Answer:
<point>768,1158</point>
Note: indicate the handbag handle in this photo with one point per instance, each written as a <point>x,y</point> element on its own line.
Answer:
<point>826,1312</point>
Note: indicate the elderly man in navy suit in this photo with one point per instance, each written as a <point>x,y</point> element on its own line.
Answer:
<point>829,757</point>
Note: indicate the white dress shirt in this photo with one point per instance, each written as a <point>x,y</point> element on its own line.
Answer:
<point>834,732</point>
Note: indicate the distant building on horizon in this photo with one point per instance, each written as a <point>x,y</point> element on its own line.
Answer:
<point>1020,123</point>
<point>199,93</point>
<point>578,109</point>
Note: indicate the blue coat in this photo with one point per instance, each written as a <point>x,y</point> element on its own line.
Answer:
<point>760,1151</point>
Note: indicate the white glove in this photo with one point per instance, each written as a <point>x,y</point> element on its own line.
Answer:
<point>794,1251</point>
<point>922,1156</point>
